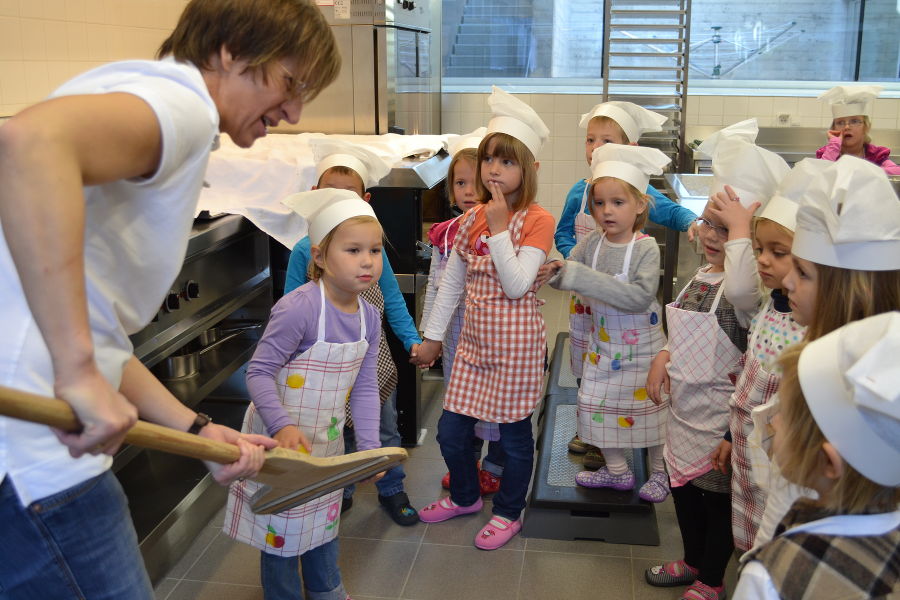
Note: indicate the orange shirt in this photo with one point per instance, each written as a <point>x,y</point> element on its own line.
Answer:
<point>537,231</point>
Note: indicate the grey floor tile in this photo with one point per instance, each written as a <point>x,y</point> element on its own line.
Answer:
<point>375,567</point>
<point>164,588</point>
<point>455,573</point>
<point>578,547</point>
<point>423,477</point>
<point>227,561</point>
<point>645,591</point>
<point>206,590</point>
<point>196,549</point>
<point>551,576</point>
<point>670,547</point>
<point>367,519</point>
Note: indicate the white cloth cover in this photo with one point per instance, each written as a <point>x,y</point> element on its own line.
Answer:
<point>851,380</point>
<point>633,164</point>
<point>330,152</point>
<point>326,209</point>
<point>513,117</point>
<point>634,120</point>
<point>851,100</point>
<point>782,208</point>
<point>849,217</point>
<point>466,140</point>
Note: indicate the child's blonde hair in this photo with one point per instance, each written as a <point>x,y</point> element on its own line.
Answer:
<point>634,193</point>
<point>469,154</point>
<point>845,295</point>
<point>314,271</point>
<point>342,170</point>
<point>506,146</point>
<point>604,120</point>
<point>757,220</point>
<point>867,127</point>
<point>801,450</point>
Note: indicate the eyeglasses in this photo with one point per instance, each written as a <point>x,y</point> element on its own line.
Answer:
<point>722,232</point>
<point>841,123</point>
<point>293,86</point>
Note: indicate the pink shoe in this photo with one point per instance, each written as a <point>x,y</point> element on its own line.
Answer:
<point>701,591</point>
<point>496,533</point>
<point>443,510</point>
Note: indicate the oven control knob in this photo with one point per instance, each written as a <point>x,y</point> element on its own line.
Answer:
<point>172,302</point>
<point>405,4</point>
<point>412,5</point>
<point>191,290</point>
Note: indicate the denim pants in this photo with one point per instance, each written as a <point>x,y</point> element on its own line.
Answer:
<point>280,575</point>
<point>77,543</point>
<point>392,482</point>
<point>495,458</point>
<point>455,433</point>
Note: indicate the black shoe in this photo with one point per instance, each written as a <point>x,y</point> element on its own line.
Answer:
<point>346,503</point>
<point>399,508</point>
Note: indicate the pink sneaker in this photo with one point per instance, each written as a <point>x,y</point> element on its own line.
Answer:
<point>602,478</point>
<point>496,533</point>
<point>701,591</point>
<point>443,509</point>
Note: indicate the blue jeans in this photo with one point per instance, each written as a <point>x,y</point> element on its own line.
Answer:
<point>455,433</point>
<point>280,575</point>
<point>78,543</point>
<point>495,458</point>
<point>392,482</point>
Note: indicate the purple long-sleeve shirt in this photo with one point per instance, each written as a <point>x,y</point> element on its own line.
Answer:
<point>292,329</point>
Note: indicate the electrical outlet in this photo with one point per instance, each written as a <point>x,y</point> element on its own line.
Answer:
<point>784,120</point>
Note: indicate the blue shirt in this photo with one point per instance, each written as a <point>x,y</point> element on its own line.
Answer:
<point>662,212</point>
<point>394,306</point>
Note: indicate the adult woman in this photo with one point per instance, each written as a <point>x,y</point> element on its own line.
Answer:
<point>100,186</point>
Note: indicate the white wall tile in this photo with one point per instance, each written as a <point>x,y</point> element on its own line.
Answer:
<point>9,8</point>
<point>76,10</point>
<point>76,38</point>
<point>735,105</point>
<point>710,106</point>
<point>565,103</point>
<point>31,9</point>
<point>472,103</point>
<point>13,71</point>
<point>712,120</point>
<point>56,40</point>
<point>564,125</point>
<point>34,39</point>
<point>449,103</point>
<point>10,38</point>
<point>784,105</point>
<point>542,103</point>
<point>54,9</point>
<point>37,83</point>
<point>450,122</point>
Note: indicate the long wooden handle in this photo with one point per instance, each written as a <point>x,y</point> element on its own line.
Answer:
<point>56,413</point>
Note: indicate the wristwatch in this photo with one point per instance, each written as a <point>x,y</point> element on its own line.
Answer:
<point>200,421</point>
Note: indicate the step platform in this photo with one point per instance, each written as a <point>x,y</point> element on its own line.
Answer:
<point>560,509</point>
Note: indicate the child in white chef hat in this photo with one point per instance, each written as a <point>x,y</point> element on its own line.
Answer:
<point>317,356</point>
<point>851,107</point>
<point>344,165</point>
<point>616,270</point>
<point>837,432</point>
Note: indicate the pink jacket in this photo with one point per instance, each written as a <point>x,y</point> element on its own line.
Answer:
<point>874,154</point>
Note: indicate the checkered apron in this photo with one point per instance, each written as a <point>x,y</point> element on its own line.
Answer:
<point>614,410</point>
<point>314,388</point>
<point>579,309</point>
<point>498,370</point>
<point>755,386</point>
<point>387,368</point>
<point>700,368</point>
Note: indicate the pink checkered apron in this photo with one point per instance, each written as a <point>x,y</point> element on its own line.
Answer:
<point>579,308</point>
<point>755,387</point>
<point>614,410</point>
<point>702,361</point>
<point>498,371</point>
<point>314,388</point>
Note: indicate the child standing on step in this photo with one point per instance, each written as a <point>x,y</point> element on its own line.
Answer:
<point>319,349</point>
<point>616,270</point>
<point>498,369</point>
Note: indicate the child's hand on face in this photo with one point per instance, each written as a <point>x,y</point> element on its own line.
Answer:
<point>292,438</point>
<point>721,457</point>
<point>733,215</point>
<point>547,271</point>
<point>658,378</point>
<point>838,133</point>
<point>496,211</point>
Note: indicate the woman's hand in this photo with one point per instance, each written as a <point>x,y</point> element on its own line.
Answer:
<point>496,211</point>
<point>658,378</point>
<point>692,231</point>
<point>426,354</point>
<point>721,457</point>
<point>548,271</point>
<point>252,449</point>
<point>733,215</point>
<point>292,438</point>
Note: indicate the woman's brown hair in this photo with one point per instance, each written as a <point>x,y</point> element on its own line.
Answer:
<point>506,146</point>
<point>260,32</point>
<point>845,295</point>
<point>314,271</point>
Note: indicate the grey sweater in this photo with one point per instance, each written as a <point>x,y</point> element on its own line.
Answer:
<point>643,274</point>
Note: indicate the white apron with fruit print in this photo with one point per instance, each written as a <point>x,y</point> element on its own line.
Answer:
<point>314,388</point>
<point>614,410</point>
<point>579,308</point>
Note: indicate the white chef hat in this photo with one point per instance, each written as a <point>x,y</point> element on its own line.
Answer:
<point>327,208</point>
<point>850,218</point>
<point>851,381</point>
<point>634,120</point>
<point>513,117</point>
<point>782,207</point>
<point>737,161</point>
<point>466,140</point>
<point>851,100</point>
<point>331,152</point>
<point>633,164</point>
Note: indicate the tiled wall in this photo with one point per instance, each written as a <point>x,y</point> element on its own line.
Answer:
<point>45,42</point>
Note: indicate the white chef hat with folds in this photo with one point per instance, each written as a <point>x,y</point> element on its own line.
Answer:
<point>634,120</point>
<point>737,161</point>
<point>851,100</point>
<point>851,381</point>
<point>331,152</point>
<point>327,208</point>
<point>850,218</point>
<point>513,117</point>
<point>466,140</point>
<point>782,207</point>
<point>634,164</point>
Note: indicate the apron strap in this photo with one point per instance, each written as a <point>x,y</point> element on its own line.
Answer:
<point>628,251</point>
<point>320,335</point>
<point>447,235</point>
<point>715,303</point>
<point>584,196</point>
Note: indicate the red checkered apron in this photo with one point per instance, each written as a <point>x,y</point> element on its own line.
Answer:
<point>701,364</point>
<point>579,309</point>
<point>498,371</point>
<point>614,410</point>
<point>755,387</point>
<point>313,388</point>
